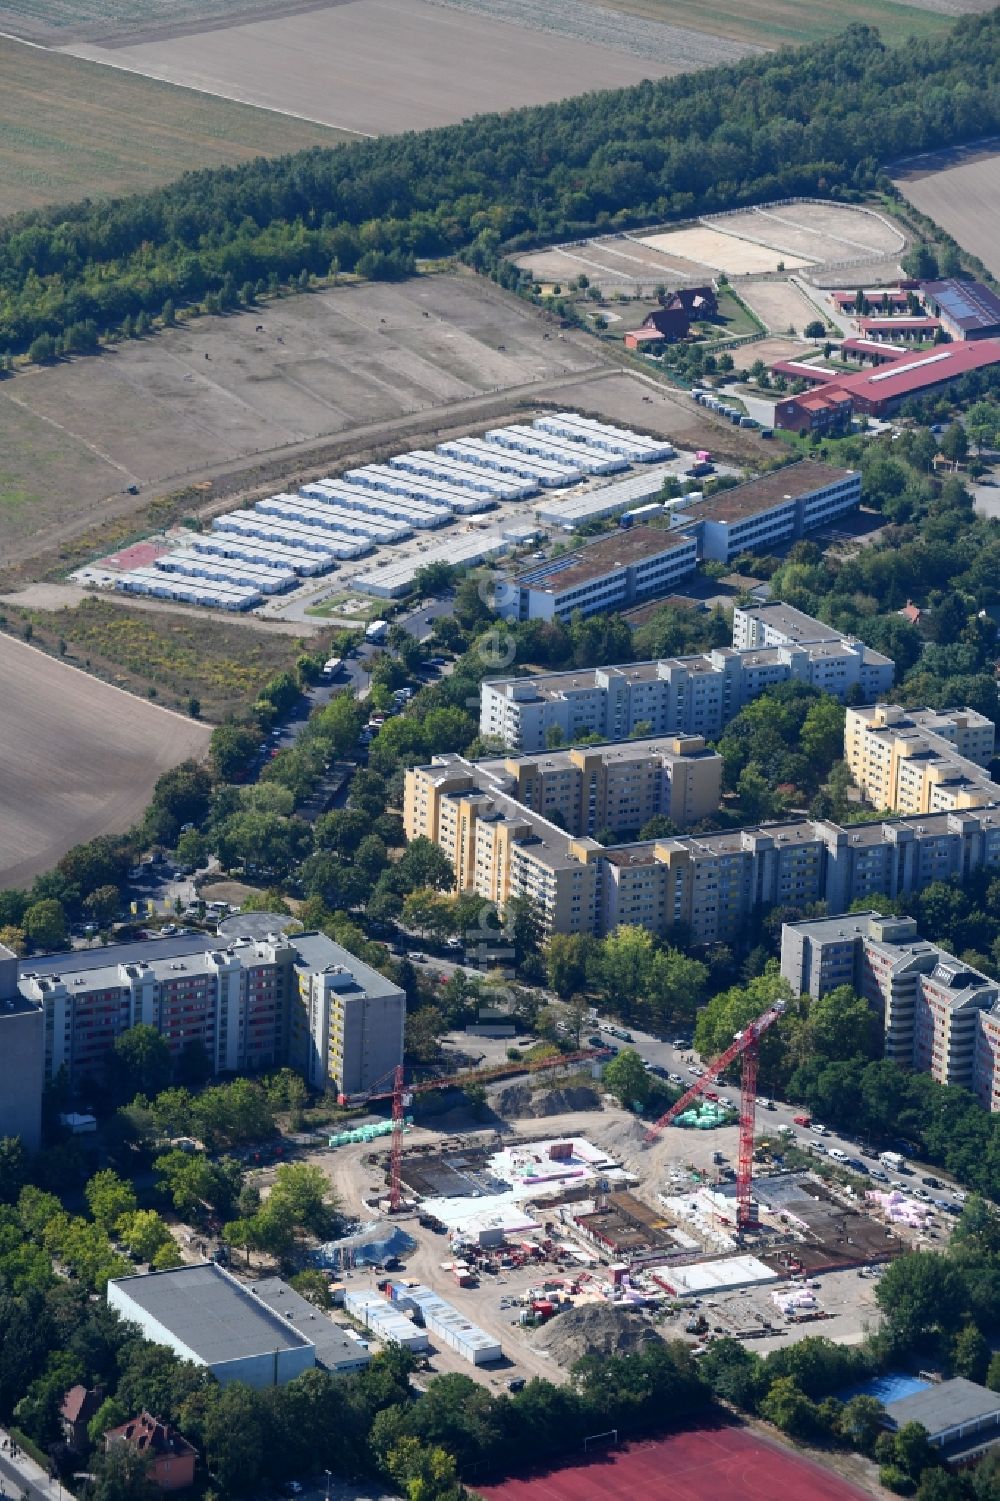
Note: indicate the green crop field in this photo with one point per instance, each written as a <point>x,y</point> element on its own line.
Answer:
<point>71,129</point>
<point>776,23</point>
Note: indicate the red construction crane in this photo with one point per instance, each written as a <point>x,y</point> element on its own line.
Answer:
<point>746,1046</point>
<point>401,1097</point>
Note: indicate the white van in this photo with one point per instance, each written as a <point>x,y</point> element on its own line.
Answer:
<point>836,1154</point>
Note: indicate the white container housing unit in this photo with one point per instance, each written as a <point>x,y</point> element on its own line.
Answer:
<point>523,439</point>
<point>531,467</point>
<point>220,545</point>
<point>451,1328</point>
<point>396,509</point>
<point>331,518</point>
<point>423,499</point>
<point>421,489</point>
<point>198,565</point>
<point>275,528</point>
<point>578,509</point>
<point>632,446</point>
<point>384,1319</point>
<point>464,476</point>
<point>397,576</point>
<point>188,591</point>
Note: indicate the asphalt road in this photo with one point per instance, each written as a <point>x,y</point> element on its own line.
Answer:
<point>676,1060</point>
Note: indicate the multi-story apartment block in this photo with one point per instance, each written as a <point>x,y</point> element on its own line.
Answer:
<point>775,624</point>
<point>695,695</point>
<point>920,760</point>
<point>251,1004</point>
<point>618,787</point>
<point>939,1015</point>
<point>22,1058</point>
<point>774,509</point>
<point>607,575</point>
<point>710,884</point>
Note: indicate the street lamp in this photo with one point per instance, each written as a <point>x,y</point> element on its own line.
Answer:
<point>329,1477</point>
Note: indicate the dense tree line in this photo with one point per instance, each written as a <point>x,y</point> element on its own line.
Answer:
<point>813,121</point>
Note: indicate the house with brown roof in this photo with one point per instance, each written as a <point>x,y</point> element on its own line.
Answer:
<point>77,1408</point>
<point>171,1458</point>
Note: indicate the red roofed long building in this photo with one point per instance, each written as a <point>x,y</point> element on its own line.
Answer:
<point>876,393</point>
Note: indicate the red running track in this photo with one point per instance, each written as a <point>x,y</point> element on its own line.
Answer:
<point>706,1464</point>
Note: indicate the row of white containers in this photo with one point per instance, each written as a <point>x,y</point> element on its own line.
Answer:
<point>286,536</point>
<point>384,1320</point>
<point>450,1326</point>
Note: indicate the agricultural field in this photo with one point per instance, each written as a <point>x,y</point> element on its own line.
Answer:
<point>166,412</point>
<point>778,23</point>
<point>71,129</point>
<point>80,758</point>
<point>379,66</point>
<point>943,184</point>
<point>166,655</point>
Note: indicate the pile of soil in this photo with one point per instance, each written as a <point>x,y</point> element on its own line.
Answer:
<point>592,1329</point>
<point>517,1101</point>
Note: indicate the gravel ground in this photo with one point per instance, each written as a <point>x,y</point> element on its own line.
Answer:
<point>679,47</point>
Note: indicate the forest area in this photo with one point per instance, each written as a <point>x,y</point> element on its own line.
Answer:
<point>819,120</point>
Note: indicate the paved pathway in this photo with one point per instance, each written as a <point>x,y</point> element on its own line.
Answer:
<point>22,1476</point>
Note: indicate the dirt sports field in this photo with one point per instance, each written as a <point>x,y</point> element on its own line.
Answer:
<point>77,758</point>
<point>707,1464</point>
<point>754,242</point>
<point>162,411</point>
<point>943,184</point>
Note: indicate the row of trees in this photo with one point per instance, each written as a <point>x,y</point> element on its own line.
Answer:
<point>816,121</point>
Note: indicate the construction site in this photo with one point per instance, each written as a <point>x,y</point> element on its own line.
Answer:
<point>549,1236</point>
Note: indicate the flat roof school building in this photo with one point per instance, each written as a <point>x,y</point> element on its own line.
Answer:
<point>773,509</point>
<point>609,574</point>
<point>204,1315</point>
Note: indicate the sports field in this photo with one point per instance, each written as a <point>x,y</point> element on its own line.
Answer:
<point>943,185</point>
<point>70,129</point>
<point>706,1464</point>
<point>78,757</point>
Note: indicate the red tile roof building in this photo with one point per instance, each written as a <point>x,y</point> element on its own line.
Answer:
<point>875,393</point>
<point>171,1458</point>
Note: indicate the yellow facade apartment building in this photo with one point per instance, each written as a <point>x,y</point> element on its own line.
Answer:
<point>917,761</point>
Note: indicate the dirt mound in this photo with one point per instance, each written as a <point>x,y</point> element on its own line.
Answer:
<point>518,1101</point>
<point>593,1329</point>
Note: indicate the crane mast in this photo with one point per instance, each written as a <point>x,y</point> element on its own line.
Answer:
<point>745,1046</point>
<point>401,1097</point>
